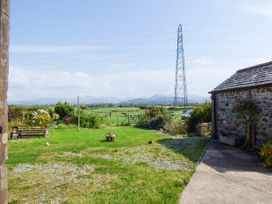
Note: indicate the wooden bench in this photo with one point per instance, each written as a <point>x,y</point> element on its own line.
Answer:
<point>20,132</point>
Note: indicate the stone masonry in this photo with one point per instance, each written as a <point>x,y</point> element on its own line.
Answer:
<point>230,124</point>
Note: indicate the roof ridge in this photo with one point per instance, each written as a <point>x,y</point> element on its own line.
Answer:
<point>255,66</point>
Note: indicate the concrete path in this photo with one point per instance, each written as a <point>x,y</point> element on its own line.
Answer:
<point>228,175</point>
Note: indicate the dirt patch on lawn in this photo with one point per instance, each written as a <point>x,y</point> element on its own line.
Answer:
<point>51,183</point>
<point>154,155</point>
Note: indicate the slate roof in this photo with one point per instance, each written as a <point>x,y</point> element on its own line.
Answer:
<point>249,77</point>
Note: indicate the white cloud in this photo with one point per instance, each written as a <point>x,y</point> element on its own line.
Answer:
<point>203,74</point>
<point>203,61</point>
<point>264,9</point>
<point>27,84</point>
<point>50,49</point>
<point>201,81</point>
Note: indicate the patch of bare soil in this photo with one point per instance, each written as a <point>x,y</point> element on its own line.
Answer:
<point>51,183</point>
<point>154,155</point>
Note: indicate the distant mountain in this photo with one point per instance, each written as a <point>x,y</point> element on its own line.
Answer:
<point>161,100</point>
<point>83,100</point>
<point>154,100</point>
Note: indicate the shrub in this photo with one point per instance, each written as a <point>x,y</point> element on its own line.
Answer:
<point>201,113</point>
<point>41,117</point>
<point>175,128</point>
<point>22,113</point>
<point>64,110</point>
<point>27,118</point>
<point>84,107</point>
<point>266,154</point>
<point>154,118</point>
<point>15,123</point>
<point>90,120</point>
<point>68,120</point>
<point>14,113</point>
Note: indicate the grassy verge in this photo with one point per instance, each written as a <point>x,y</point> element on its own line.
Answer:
<point>80,167</point>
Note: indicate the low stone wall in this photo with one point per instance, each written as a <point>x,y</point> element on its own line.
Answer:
<point>204,129</point>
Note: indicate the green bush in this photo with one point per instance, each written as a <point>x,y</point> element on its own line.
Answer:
<point>201,113</point>
<point>175,128</point>
<point>266,154</point>
<point>14,113</point>
<point>89,120</point>
<point>154,118</point>
<point>64,110</point>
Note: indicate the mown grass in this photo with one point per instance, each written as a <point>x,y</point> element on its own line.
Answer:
<point>80,167</point>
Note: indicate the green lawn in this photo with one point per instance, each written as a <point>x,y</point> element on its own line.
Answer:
<point>80,167</point>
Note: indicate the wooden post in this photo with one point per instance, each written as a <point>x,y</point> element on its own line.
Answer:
<point>128,119</point>
<point>78,114</point>
<point>4,56</point>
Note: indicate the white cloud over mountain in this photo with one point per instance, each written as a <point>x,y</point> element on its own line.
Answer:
<point>28,83</point>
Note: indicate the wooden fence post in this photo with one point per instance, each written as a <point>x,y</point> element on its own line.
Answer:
<point>128,118</point>
<point>4,56</point>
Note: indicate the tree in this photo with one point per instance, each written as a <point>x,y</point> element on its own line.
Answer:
<point>4,56</point>
<point>154,118</point>
<point>248,110</point>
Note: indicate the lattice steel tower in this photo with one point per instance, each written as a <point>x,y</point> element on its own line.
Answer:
<point>180,76</point>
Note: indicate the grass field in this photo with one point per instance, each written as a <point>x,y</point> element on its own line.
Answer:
<point>80,167</point>
<point>119,115</point>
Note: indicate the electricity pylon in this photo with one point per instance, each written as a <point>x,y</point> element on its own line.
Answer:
<point>180,75</point>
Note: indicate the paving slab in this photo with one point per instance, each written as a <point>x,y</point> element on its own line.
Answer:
<point>227,175</point>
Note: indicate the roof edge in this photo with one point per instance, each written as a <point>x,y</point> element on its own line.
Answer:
<point>239,88</point>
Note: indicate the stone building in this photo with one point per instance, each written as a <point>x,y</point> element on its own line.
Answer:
<point>254,83</point>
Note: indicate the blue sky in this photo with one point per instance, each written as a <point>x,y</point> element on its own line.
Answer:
<point>121,48</point>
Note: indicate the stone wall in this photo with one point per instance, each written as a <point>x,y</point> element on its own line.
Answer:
<point>231,126</point>
<point>263,98</point>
